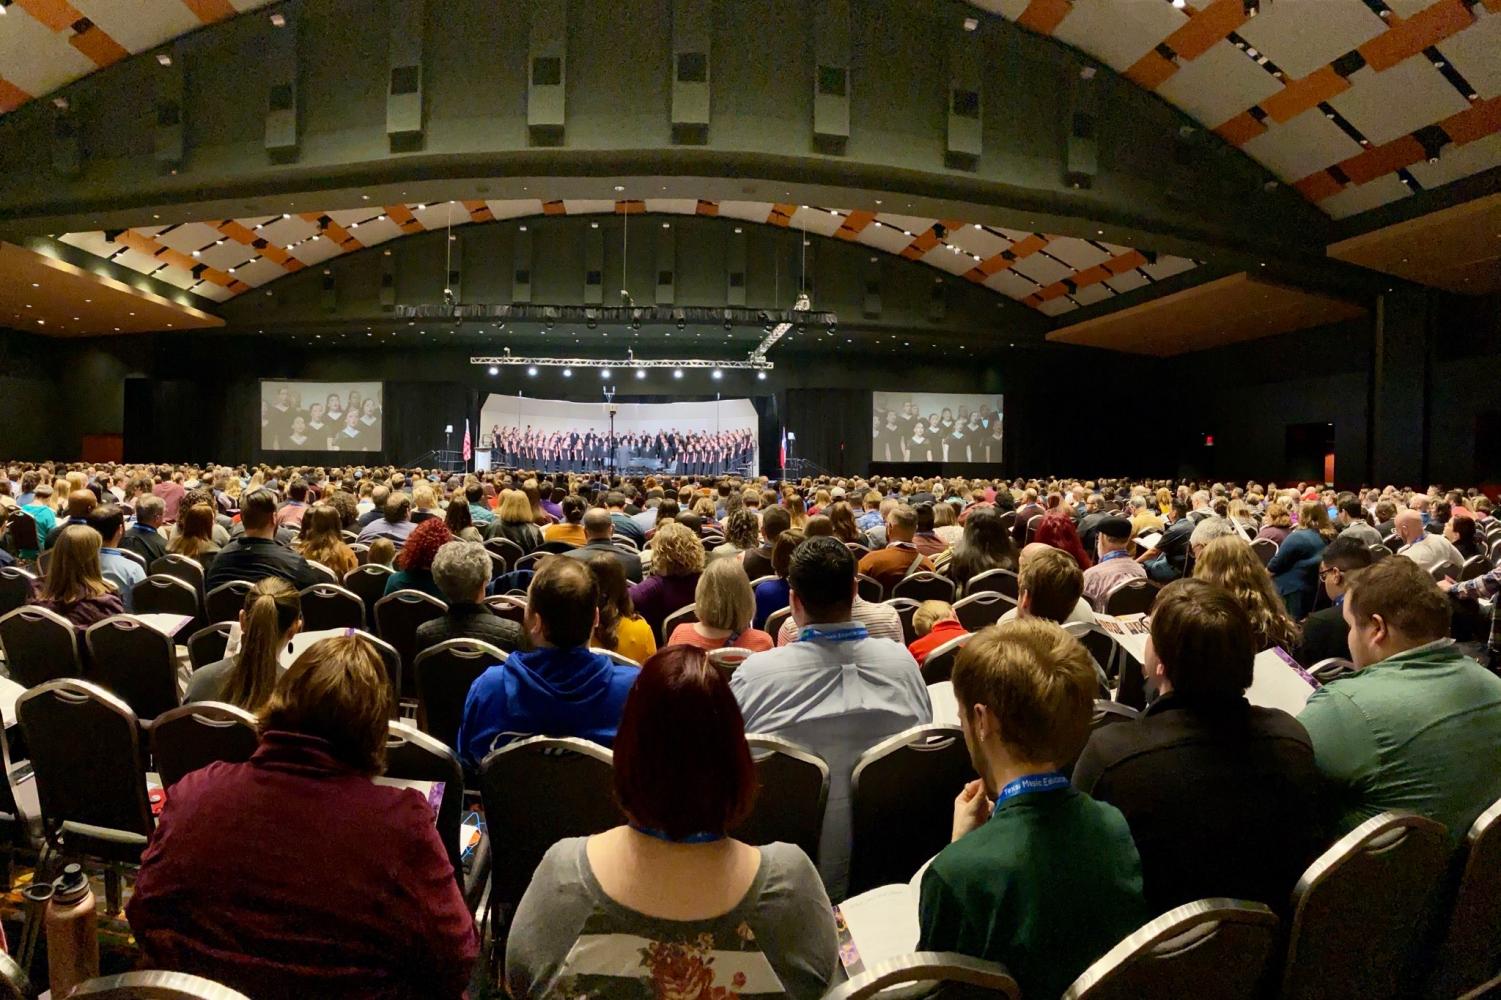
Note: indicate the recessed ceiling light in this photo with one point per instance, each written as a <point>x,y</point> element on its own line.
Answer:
<point>619,187</point>
<point>971,23</point>
<point>164,58</point>
<point>279,20</point>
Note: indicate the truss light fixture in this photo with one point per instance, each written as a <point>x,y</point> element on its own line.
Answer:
<point>568,373</point>
<point>677,373</point>
<point>971,23</point>
<point>640,373</point>
<point>164,58</point>
<point>278,20</point>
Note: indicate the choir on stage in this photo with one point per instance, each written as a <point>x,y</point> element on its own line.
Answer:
<point>696,453</point>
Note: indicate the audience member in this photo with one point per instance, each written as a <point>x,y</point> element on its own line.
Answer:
<point>571,529</point>
<point>1417,726</point>
<point>1353,523</point>
<point>1047,879</point>
<point>1050,586</point>
<point>1325,632</point>
<point>461,524</point>
<point>1057,530</point>
<point>599,532</point>
<point>169,490</point>
<point>670,886</point>
<point>80,502</point>
<point>322,540</point>
<point>935,624</point>
<point>414,566</point>
<point>142,537</point>
<point>1166,560</point>
<point>382,552</point>
<point>1231,563</point>
<point>379,494</point>
<point>900,557</point>
<point>197,533</point>
<point>514,520</point>
<point>740,533</point>
<point>394,521</point>
<point>836,691</point>
<point>619,629</point>
<point>772,593</point>
<point>986,545</point>
<point>74,586</point>
<point>677,561</point>
<point>757,562</point>
<point>1276,523</point>
<point>291,512</point>
<point>624,525</point>
<point>1115,565</point>
<point>36,500</point>
<point>1203,766</point>
<point>217,897</point>
<point>1295,565</point>
<point>271,615</point>
<point>1460,532</point>
<point>557,688</point>
<point>461,572</point>
<point>725,606</point>
<point>116,568</point>
<point>255,554</point>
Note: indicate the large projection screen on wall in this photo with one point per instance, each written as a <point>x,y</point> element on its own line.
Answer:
<point>322,416</point>
<point>936,427</point>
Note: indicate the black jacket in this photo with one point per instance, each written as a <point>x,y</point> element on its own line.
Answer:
<point>1222,798</point>
<point>254,559</point>
<point>1325,634</point>
<point>629,561</point>
<point>471,621</point>
<point>144,542</point>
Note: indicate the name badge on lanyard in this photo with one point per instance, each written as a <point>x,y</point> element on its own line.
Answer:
<point>812,632</point>
<point>1026,784</point>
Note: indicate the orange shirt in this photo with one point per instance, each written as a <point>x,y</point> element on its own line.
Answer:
<point>752,639</point>
<point>941,633</point>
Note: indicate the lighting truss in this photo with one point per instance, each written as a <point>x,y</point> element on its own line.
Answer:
<point>749,364</point>
<point>614,315</point>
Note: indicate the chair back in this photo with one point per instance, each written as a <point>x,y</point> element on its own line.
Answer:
<point>444,674</point>
<point>39,645</point>
<point>23,533</point>
<point>185,568</point>
<point>1444,568</point>
<point>617,658</point>
<point>369,582</point>
<point>208,644</point>
<point>225,601</point>
<point>682,616</point>
<point>563,786</point>
<point>1264,548</point>
<point>43,560</point>
<point>397,617</point>
<point>135,662</point>
<point>924,586</point>
<point>1331,668</point>
<point>1130,597</point>
<point>793,791</point>
<point>1471,949</point>
<point>15,588</point>
<point>531,560</point>
<point>960,976</point>
<point>509,607</point>
<point>869,588</point>
<point>197,735</point>
<point>998,581</point>
<point>555,547</point>
<point>417,756</point>
<point>328,605</point>
<point>622,542</point>
<point>982,608</point>
<point>1379,552</point>
<point>1109,713</point>
<point>902,803</point>
<point>858,551</point>
<point>727,658</point>
<point>322,572</point>
<point>1033,523</point>
<point>775,620</point>
<point>939,666</point>
<point>1210,948</point>
<point>97,783</point>
<point>154,986</point>
<point>1362,910</point>
<point>160,594</point>
<point>1476,565</point>
<point>361,552</point>
<point>905,607</point>
<point>14,983</point>
<point>507,550</point>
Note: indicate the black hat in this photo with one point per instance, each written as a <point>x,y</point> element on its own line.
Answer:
<point>1118,528</point>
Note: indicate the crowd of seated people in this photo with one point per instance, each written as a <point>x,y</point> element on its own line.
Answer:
<point>1067,841</point>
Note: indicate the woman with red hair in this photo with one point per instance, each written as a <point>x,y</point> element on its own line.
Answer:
<point>670,903</point>
<point>414,564</point>
<point>1057,529</point>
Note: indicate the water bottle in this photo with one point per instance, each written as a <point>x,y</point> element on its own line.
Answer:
<point>72,932</point>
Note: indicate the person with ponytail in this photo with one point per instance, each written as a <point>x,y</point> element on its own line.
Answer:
<point>271,616</point>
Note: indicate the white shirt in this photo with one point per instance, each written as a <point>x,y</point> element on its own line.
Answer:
<point>1081,613</point>
<point>838,699</point>
<point>1431,549</point>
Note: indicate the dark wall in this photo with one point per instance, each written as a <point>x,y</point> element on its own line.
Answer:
<point>28,399</point>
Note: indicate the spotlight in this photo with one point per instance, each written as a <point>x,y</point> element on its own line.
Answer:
<point>718,374</point>
<point>760,376</point>
<point>494,370</point>
<point>590,323</point>
<point>680,324</point>
<point>726,324</point>
<point>677,373</point>
<point>604,373</point>
<point>640,373</point>
<point>568,373</point>
<point>532,370</point>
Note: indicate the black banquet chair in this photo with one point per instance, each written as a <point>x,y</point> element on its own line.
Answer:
<point>1471,949</point>
<point>1130,597</point>
<point>959,977</point>
<point>185,568</point>
<point>397,617</point>
<point>39,645</point>
<point>902,803</point>
<point>135,662</point>
<point>982,608</point>
<point>445,673</point>
<point>682,616</point>
<point>905,608</point>
<point>868,587</point>
<point>207,645</point>
<point>329,606</point>
<point>1208,948</point>
<point>154,985</point>
<point>164,595</point>
<point>939,664</point>
<point>224,602</point>
<point>369,581</point>
<point>793,792</point>
<point>924,586</point>
<point>15,588</point>
<point>416,756</point>
<point>998,581</point>
<point>196,735</point>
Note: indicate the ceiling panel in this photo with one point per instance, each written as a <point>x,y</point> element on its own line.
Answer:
<point>1219,84</point>
<point>1302,145</point>
<point>1042,269</point>
<point>1388,105</point>
<point>1125,33</point>
<point>1283,27</point>
<point>1457,248</point>
<point>1476,53</point>
<point>1358,198</point>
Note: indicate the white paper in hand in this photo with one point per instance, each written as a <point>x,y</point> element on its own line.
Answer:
<point>1148,541</point>
<point>1278,682</point>
<point>883,921</point>
<point>1130,632</point>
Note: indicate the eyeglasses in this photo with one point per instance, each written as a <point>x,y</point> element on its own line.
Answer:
<point>1325,571</point>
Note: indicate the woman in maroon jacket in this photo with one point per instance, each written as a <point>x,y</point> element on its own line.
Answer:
<point>75,586</point>
<point>294,874</point>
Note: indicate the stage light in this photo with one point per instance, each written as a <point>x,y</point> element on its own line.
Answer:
<point>494,370</point>
<point>760,376</point>
<point>680,324</point>
<point>604,373</point>
<point>641,373</point>
<point>568,373</point>
<point>718,374</point>
<point>677,373</point>
<point>532,371</point>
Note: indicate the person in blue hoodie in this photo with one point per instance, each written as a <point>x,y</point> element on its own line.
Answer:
<point>558,688</point>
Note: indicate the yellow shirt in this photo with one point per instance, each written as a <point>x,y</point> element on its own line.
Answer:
<point>634,639</point>
<point>564,532</point>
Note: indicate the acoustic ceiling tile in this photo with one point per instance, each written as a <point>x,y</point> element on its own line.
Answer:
<point>1118,33</point>
<point>1358,198</point>
<point>978,240</point>
<point>1388,105</point>
<point>819,221</point>
<point>1167,266</point>
<point>884,237</point>
<point>316,251</point>
<point>1455,162</point>
<point>912,224</point>
<point>179,277</point>
<point>209,290</point>
<point>1088,295</point>
<point>259,271</point>
<point>750,211</point>
<point>673,206</point>
<point>515,209</point>
<point>441,215</point>
<point>1301,36</point>
<point>1305,145</point>
<point>1008,282</point>
<point>1042,269</point>
<point>91,242</point>
<point>1220,84</point>
<point>225,255</point>
<point>35,58</point>
<point>1127,281</point>
<point>589,206</point>
<point>189,237</point>
<point>1014,235</point>
<point>1056,307</point>
<point>138,24</point>
<point>250,222</point>
<point>137,261</point>
<point>1476,53</point>
<point>949,259</point>
<point>1076,253</point>
<point>287,230</point>
<point>376,231</point>
<point>354,216</point>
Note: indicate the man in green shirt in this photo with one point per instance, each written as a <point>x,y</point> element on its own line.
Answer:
<point>1418,728</point>
<point>1046,880</point>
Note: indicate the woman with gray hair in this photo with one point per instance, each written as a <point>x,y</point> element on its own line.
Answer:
<point>462,572</point>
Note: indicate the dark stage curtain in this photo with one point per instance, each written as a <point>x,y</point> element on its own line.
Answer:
<point>832,428</point>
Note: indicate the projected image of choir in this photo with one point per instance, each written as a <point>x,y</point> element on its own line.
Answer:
<point>962,434</point>
<point>333,422</point>
<point>688,453</point>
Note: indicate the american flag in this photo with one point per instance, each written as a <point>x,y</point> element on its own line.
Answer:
<point>468,445</point>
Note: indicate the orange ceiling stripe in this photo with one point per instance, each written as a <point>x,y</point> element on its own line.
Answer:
<point>176,257</point>
<point>976,274</point>
<point>138,241</point>
<point>630,207</point>
<point>1044,16</point>
<point>1093,275</point>
<point>403,217</point>
<point>237,232</point>
<point>707,208</point>
<point>98,46</point>
<point>992,265</point>
<point>55,14</point>
<point>1300,95</point>
<point>1125,262</point>
<point>1317,187</point>
<point>1479,120</point>
<point>209,11</point>
<point>1382,160</point>
<point>342,238</point>
<point>1208,26</point>
<point>11,96</point>
<point>1241,129</point>
<point>554,207</point>
<point>1028,246</point>
<point>1151,70</point>
<point>1056,290</point>
<point>854,224</point>
<point>479,211</point>
<point>1408,38</point>
<point>781,215</point>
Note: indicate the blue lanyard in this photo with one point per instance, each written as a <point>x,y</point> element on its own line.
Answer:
<point>839,635</point>
<point>692,838</point>
<point>1118,554</point>
<point>1050,781</point>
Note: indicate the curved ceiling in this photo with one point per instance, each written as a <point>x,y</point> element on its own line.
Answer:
<point>47,44</point>
<point>220,259</point>
<point>1356,103</point>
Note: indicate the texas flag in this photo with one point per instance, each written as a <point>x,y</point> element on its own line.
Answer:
<point>468,447</point>
<point>782,455</point>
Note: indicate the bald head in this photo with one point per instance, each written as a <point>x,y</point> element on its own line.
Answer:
<point>597,524</point>
<point>1409,526</point>
<point>80,502</point>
